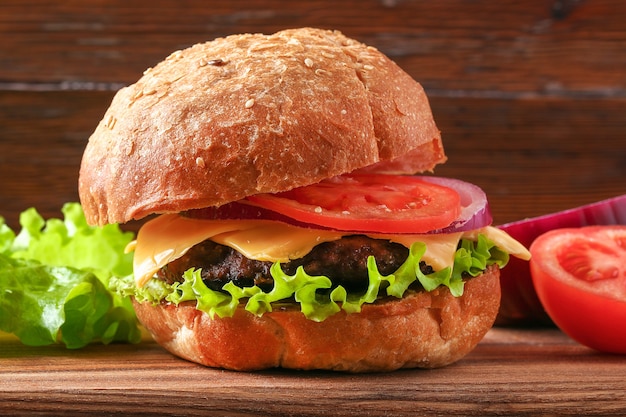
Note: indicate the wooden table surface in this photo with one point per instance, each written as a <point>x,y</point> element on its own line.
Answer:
<point>511,372</point>
<point>531,101</point>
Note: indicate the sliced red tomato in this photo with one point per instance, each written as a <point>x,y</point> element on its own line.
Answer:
<point>520,305</point>
<point>374,203</point>
<point>580,277</point>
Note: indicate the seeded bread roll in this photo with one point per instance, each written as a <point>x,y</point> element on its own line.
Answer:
<point>421,330</point>
<point>250,114</point>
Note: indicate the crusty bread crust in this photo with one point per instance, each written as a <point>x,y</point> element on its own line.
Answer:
<point>251,114</point>
<point>421,330</point>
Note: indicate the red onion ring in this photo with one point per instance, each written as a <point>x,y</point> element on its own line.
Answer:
<point>243,211</point>
<point>475,212</point>
<point>609,211</point>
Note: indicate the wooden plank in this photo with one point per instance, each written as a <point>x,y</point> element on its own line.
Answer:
<point>535,156</point>
<point>538,48</point>
<point>530,99</point>
<point>42,138</point>
<point>531,156</point>
<point>511,372</point>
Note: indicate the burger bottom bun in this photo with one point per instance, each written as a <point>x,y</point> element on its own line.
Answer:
<point>421,330</point>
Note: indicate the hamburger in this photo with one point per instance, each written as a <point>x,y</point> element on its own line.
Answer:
<point>286,225</point>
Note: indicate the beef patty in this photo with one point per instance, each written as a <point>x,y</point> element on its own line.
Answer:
<point>344,261</point>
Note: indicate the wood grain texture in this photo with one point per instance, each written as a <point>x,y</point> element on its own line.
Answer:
<point>540,47</point>
<point>530,156</point>
<point>511,372</point>
<point>42,138</point>
<point>529,96</point>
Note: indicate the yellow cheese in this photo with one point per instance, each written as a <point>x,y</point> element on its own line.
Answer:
<point>440,249</point>
<point>168,237</point>
<point>502,240</point>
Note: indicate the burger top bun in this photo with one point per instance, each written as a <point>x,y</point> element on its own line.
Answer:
<point>249,114</point>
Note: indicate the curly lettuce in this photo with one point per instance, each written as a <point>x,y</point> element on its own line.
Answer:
<point>54,281</point>
<point>315,295</point>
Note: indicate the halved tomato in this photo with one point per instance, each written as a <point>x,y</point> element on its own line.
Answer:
<point>368,203</point>
<point>580,277</point>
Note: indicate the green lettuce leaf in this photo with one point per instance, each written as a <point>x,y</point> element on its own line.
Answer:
<point>313,293</point>
<point>54,281</point>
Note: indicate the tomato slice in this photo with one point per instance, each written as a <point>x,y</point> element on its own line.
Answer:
<point>580,277</point>
<point>368,203</point>
<point>520,305</point>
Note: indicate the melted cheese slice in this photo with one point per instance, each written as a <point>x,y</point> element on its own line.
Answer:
<point>168,237</point>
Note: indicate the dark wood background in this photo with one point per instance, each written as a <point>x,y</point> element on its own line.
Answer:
<point>530,96</point>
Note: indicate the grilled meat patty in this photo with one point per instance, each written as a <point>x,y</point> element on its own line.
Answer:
<point>344,261</point>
